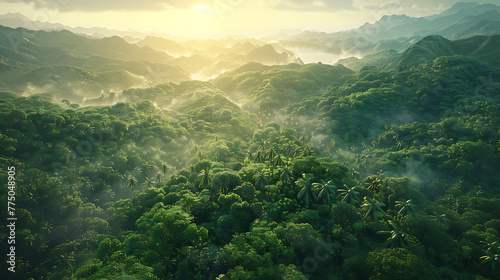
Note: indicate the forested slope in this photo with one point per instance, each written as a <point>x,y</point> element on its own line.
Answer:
<point>430,48</point>
<point>370,174</point>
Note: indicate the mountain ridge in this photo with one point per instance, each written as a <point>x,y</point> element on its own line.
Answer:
<point>481,47</point>
<point>398,32</point>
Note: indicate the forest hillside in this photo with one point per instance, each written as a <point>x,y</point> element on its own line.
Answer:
<point>128,167</point>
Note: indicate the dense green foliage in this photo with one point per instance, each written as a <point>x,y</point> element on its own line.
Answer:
<point>430,48</point>
<point>373,174</point>
<point>267,89</point>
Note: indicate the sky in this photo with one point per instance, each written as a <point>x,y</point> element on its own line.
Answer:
<point>218,18</point>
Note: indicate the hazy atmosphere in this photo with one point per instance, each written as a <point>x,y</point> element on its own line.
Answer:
<point>235,139</point>
<point>204,19</point>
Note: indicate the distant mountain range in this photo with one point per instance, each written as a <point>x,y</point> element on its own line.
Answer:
<point>69,63</point>
<point>208,58</point>
<point>449,23</point>
<point>483,48</point>
<point>55,60</point>
<point>211,57</point>
<point>65,61</point>
<point>15,20</point>
<point>398,32</point>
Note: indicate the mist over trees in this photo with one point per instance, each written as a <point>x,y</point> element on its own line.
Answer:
<point>384,167</point>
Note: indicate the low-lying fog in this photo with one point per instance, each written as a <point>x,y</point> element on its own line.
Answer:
<point>309,55</point>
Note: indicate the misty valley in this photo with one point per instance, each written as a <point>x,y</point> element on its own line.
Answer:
<point>371,153</point>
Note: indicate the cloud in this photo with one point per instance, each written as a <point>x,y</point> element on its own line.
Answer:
<point>379,8</point>
<point>406,6</point>
<point>384,6</point>
<point>145,5</point>
<point>315,5</point>
<point>107,5</point>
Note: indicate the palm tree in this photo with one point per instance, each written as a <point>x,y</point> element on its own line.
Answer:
<point>327,190</point>
<point>164,168</point>
<point>457,205</point>
<point>297,152</point>
<point>47,227</point>
<point>259,158</point>
<point>24,189</point>
<point>372,207</point>
<point>261,144</point>
<point>349,195</point>
<point>132,182</point>
<point>169,263</point>
<point>146,168</point>
<point>67,259</point>
<point>261,181</point>
<point>86,182</point>
<point>109,192</point>
<point>492,246</point>
<point>286,174</point>
<point>188,202</point>
<point>278,161</point>
<point>441,218</point>
<point>29,238</point>
<point>271,154</point>
<point>406,207</point>
<point>306,152</point>
<point>158,178</point>
<point>492,259</point>
<point>304,140</point>
<point>306,193</point>
<point>31,196</point>
<point>249,157</point>
<point>374,185</point>
<point>397,238</point>
<point>206,179</point>
<point>148,183</point>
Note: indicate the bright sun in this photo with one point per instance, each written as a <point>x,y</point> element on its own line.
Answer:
<point>202,8</point>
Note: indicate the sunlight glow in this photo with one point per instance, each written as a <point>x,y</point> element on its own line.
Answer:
<point>202,8</point>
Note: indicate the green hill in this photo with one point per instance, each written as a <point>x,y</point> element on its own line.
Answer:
<point>55,60</point>
<point>386,171</point>
<point>268,55</point>
<point>267,89</point>
<point>425,50</point>
<point>355,161</point>
<point>483,48</point>
<point>162,44</point>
